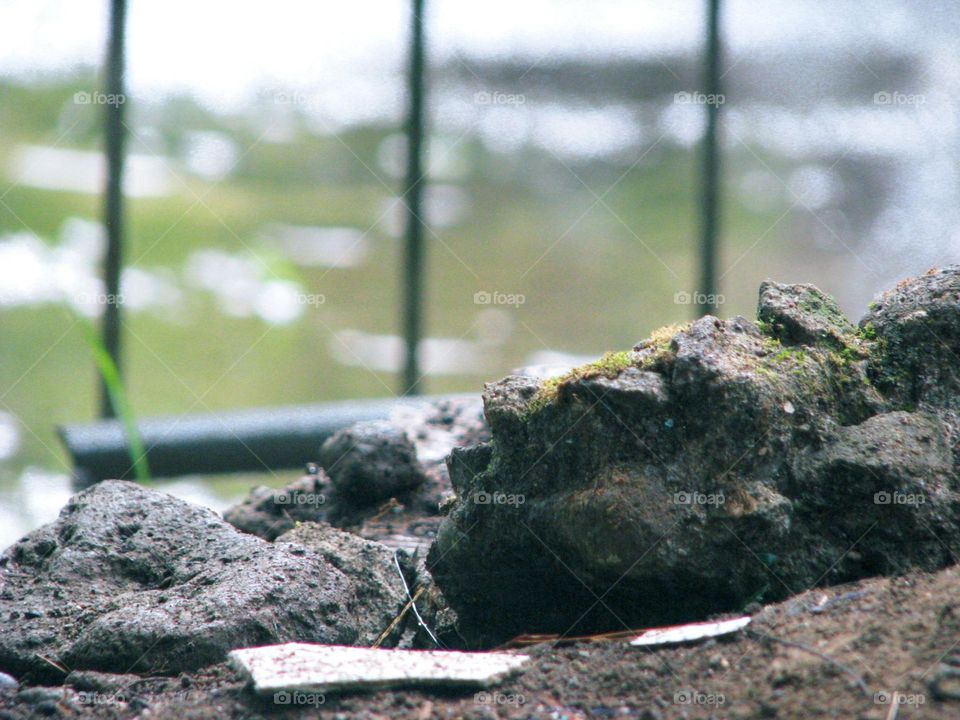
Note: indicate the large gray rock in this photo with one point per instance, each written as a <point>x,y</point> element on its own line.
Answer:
<point>714,464</point>
<point>133,580</point>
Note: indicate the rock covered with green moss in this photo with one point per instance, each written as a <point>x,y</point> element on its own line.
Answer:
<point>713,464</point>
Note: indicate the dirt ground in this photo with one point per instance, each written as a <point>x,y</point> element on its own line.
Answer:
<point>841,652</point>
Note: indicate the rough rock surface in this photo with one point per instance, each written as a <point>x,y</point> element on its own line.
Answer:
<point>916,327</point>
<point>268,513</point>
<point>402,459</point>
<point>133,580</point>
<point>713,465</point>
<point>371,462</point>
<point>378,594</point>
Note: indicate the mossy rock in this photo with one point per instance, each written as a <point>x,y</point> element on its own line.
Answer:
<point>658,478</point>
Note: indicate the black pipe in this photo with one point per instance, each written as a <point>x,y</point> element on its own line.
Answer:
<point>412,194</point>
<point>114,141</point>
<point>710,209</point>
<point>254,440</point>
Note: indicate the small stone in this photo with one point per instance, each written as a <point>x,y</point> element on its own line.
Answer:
<point>35,695</point>
<point>718,662</point>
<point>803,314</point>
<point>371,462</point>
<point>8,682</point>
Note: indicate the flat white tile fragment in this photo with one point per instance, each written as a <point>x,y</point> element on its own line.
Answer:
<point>689,633</point>
<point>330,668</point>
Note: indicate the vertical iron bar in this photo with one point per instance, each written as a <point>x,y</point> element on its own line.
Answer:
<point>413,196</point>
<point>113,202</point>
<point>710,208</point>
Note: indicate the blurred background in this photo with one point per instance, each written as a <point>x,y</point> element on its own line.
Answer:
<point>265,158</point>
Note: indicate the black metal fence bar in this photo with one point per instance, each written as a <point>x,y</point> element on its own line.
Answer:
<point>239,441</point>
<point>413,196</point>
<point>113,220</point>
<point>710,198</point>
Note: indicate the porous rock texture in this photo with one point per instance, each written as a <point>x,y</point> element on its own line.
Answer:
<point>131,580</point>
<point>714,464</point>
<point>373,571</point>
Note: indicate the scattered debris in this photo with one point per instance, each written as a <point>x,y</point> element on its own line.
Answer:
<point>333,668</point>
<point>857,678</point>
<point>690,632</point>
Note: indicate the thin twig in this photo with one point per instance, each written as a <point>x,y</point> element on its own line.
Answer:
<point>396,621</point>
<point>57,665</point>
<point>413,605</point>
<point>813,651</point>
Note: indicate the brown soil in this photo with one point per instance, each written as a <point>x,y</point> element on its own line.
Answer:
<point>839,652</point>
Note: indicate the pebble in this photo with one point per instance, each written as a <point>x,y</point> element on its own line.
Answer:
<point>40,694</point>
<point>8,682</point>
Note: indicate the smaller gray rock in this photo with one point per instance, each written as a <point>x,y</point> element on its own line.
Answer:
<point>380,595</point>
<point>506,402</point>
<point>90,680</point>
<point>802,314</point>
<point>269,512</point>
<point>36,695</point>
<point>8,682</point>
<point>401,462</point>
<point>371,462</point>
<point>917,329</point>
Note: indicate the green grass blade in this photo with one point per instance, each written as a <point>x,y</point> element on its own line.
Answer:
<point>118,399</point>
